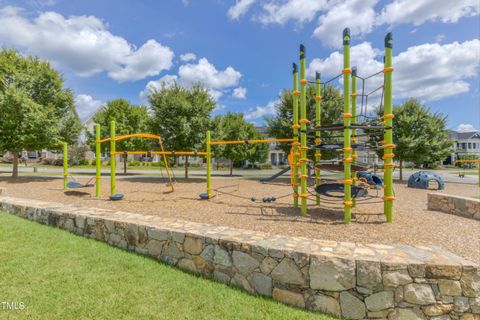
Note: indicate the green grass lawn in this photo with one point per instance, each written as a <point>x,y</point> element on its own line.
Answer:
<point>59,275</point>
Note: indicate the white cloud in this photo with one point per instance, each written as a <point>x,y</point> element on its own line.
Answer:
<point>219,107</point>
<point>300,11</point>
<point>360,15</point>
<point>207,74</point>
<point>239,93</point>
<point>188,57</point>
<point>427,72</point>
<point>86,105</point>
<point>260,111</point>
<point>83,44</point>
<point>420,11</point>
<point>215,94</point>
<point>239,9</point>
<point>203,72</point>
<point>166,80</point>
<point>149,60</point>
<point>464,127</point>
<point>439,37</point>
<point>435,71</point>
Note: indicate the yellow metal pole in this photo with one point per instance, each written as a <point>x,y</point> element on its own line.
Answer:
<point>98,161</point>
<point>388,134</point>
<point>65,166</point>
<point>318,122</point>
<point>295,126</point>
<point>347,117</point>
<point>303,129</point>
<point>354,121</point>
<point>112,158</point>
<point>251,141</point>
<point>209,159</point>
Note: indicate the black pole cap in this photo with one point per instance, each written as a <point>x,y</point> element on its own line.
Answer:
<point>354,71</point>
<point>389,40</point>
<point>346,36</point>
<point>302,51</point>
<point>294,68</point>
<point>317,75</point>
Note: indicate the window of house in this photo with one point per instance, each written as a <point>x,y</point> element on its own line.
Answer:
<point>469,145</point>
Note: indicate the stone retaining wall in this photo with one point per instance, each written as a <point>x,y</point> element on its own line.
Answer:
<point>457,205</point>
<point>345,279</point>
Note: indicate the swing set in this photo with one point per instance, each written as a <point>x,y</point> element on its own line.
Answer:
<point>98,164</point>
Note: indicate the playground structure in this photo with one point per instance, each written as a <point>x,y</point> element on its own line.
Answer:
<point>349,127</point>
<point>353,186</point>
<point>113,152</point>
<point>422,179</point>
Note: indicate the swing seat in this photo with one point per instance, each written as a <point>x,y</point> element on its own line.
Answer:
<point>77,185</point>
<point>336,190</point>
<point>116,197</point>
<point>204,196</point>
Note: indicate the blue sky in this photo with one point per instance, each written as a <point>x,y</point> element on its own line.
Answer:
<point>243,50</point>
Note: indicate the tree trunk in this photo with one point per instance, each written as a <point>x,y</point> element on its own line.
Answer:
<point>15,165</point>
<point>401,170</point>
<point>186,167</point>
<point>231,167</point>
<point>125,164</point>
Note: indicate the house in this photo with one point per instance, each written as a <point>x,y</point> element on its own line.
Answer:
<point>464,143</point>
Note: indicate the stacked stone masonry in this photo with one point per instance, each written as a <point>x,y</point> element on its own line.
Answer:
<point>457,205</point>
<point>344,279</point>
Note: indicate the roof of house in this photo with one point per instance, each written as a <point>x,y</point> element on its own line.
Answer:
<point>464,135</point>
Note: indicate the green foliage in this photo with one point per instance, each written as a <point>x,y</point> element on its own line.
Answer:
<point>76,155</point>
<point>467,156</point>
<point>280,126</point>
<point>259,151</point>
<point>128,119</point>
<point>232,126</point>
<point>37,112</point>
<point>181,116</point>
<point>420,136</point>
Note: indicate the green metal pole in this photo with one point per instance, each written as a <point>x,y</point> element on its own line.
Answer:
<point>209,159</point>
<point>318,122</point>
<point>303,128</point>
<point>388,135</point>
<point>98,161</point>
<point>347,150</point>
<point>112,158</point>
<point>354,121</point>
<point>295,143</point>
<point>65,166</point>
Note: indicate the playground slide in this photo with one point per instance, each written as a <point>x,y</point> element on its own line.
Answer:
<point>276,175</point>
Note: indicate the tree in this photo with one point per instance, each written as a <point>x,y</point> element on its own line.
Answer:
<point>128,119</point>
<point>181,116</point>
<point>232,126</point>
<point>258,153</point>
<point>37,112</point>
<point>280,126</point>
<point>420,136</point>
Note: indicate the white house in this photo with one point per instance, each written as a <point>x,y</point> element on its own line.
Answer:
<point>464,143</point>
